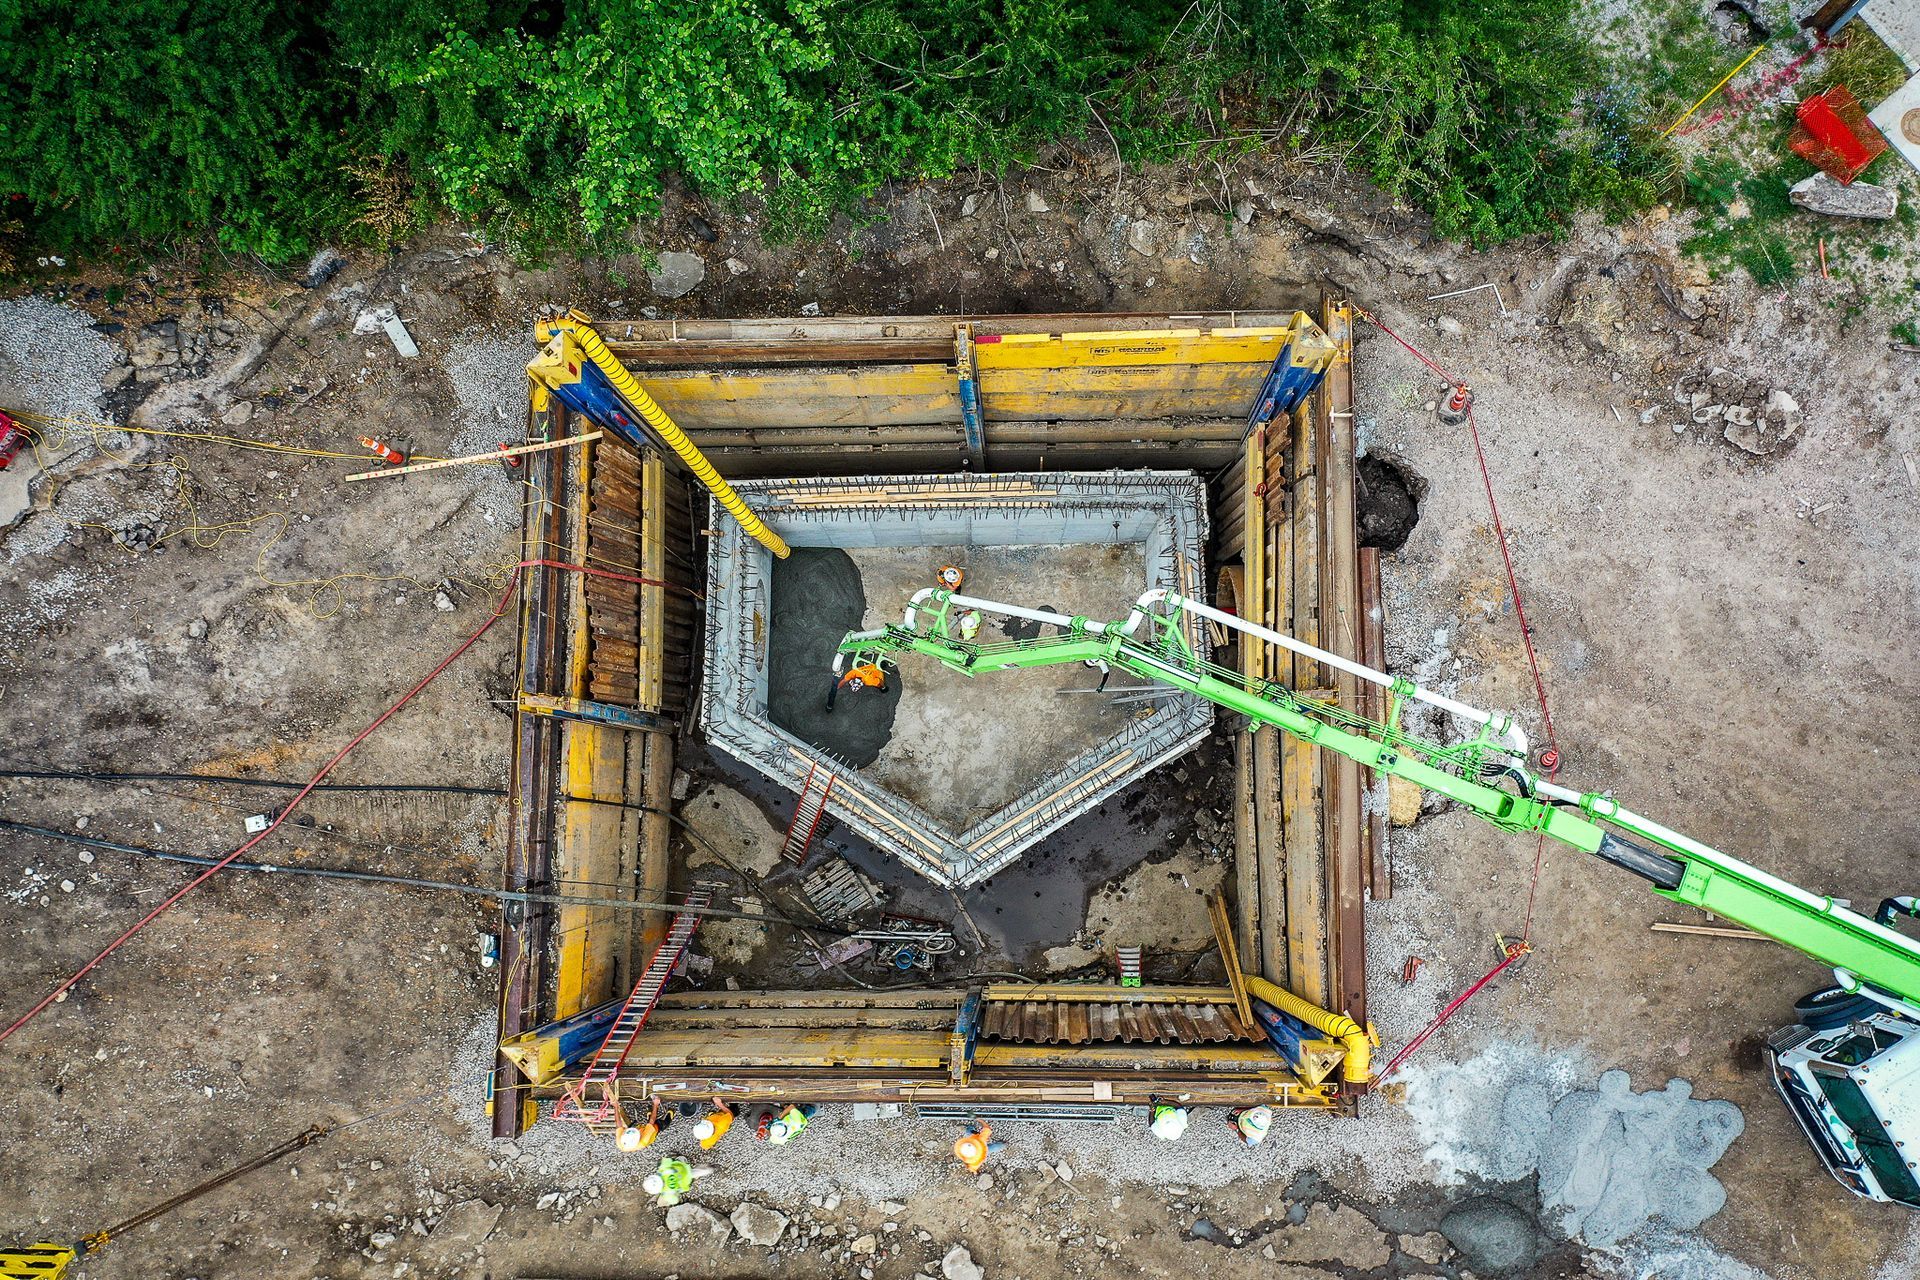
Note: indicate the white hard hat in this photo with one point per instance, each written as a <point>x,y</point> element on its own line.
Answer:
<point>778,1133</point>
<point>629,1139</point>
<point>704,1129</point>
<point>653,1184</point>
<point>1255,1120</point>
<point>1170,1123</point>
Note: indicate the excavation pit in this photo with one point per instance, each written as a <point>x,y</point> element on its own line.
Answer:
<point>954,776</point>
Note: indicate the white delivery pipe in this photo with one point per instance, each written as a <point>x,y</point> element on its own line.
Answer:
<point>995,606</point>
<point>1512,734</point>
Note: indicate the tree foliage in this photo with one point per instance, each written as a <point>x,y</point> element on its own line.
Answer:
<point>158,120</point>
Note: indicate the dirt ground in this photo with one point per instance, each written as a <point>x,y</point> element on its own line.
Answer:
<point>1723,638</point>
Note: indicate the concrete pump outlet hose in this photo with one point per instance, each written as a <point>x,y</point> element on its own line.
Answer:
<point>668,430</point>
<point>1357,1067</point>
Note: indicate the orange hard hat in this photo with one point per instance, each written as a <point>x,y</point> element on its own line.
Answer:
<point>971,1149</point>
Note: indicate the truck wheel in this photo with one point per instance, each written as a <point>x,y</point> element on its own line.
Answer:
<point>1831,1008</point>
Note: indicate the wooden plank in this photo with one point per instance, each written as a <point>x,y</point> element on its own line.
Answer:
<point>1373,633</point>
<point>1346,851</point>
<point>621,335</point>
<point>1229,956</point>
<point>1301,765</point>
<point>1138,391</point>
<point>470,459</point>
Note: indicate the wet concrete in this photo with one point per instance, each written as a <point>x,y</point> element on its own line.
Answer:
<point>817,598</point>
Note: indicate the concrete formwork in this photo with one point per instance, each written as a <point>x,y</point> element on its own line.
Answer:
<point>1162,513</point>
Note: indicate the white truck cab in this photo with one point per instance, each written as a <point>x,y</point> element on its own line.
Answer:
<point>1849,1072</point>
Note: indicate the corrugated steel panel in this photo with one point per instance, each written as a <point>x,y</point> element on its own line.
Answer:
<point>1053,1022</point>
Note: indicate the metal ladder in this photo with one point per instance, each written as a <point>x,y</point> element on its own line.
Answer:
<point>604,1072</point>
<point>807,814</point>
<point>1128,960</point>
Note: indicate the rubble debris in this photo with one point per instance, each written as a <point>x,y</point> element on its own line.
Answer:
<point>958,1264</point>
<point>759,1225</point>
<point>676,274</point>
<point>1822,194</point>
<point>693,1217</point>
<point>322,267</point>
<point>463,1229</point>
<point>1037,203</point>
<point>1745,412</point>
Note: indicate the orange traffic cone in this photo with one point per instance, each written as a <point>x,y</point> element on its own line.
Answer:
<point>387,452</point>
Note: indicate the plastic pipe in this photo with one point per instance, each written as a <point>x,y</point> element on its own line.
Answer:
<point>1503,726</point>
<point>669,431</point>
<point>994,606</point>
<point>1357,1067</point>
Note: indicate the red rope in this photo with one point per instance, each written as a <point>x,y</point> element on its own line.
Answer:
<point>1515,950</point>
<point>499,612</point>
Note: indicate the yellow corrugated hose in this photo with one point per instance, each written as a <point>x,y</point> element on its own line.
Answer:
<point>1356,1068</point>
<point>595,349</point>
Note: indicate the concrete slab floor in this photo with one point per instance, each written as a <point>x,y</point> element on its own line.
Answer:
<point>963,747</point>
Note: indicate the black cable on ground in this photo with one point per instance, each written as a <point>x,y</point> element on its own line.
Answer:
<point>89,775</point>
<point>375,877</point>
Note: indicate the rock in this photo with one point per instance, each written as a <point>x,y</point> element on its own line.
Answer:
<point>117,376</point>
<point>1140,237</point>
<point>984,1182</point>
<point>1064,1170</point>
<point>1037,203</point>
<point>1779,401</point>
<point>735,267</point>
<point>322,267</point>
<point>381,1240</point>
<point>970,206</point>
<point>863,1245</point>
<point>239,413</point>
<point>443,602</point>
<point>547,1201</point>
<point>958,1264</point>
<point>197,629</point>
<point>810,309</point>
<point>1492,1235</point>
<point>1821,194</point>
<point>1403,802</point>
<point>892,1208</point>
<point>759,1225</point>
<point>1449,326</point>
<point>1243,212</point>
<point>1431,1248</point>
<point>463,1228</point>
<point>1747,438</point>
<point>695,1217</point>
<point>677,274</point>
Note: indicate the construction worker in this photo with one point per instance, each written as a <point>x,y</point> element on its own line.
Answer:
<point>969,624</point>
<point>641,1136</point>
<point>972,1149</point>
<point>790,1124</point>
<point>713,1126</point>
<point>1250,1124</point>
<point>1167,1121</point>
<point>862,675</point>
<point>673,1179</point>
<point>951,576</point>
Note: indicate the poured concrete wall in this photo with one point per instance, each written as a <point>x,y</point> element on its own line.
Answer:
<point>1162,514</point>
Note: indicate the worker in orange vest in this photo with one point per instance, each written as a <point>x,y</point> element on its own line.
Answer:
<point>713,1126</point>
<point>641,1136</point>
<point>972,1149</point>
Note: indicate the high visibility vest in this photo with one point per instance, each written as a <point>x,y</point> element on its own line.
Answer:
<point>676,1173</point>
<point>713,1126</point>
<point>790,1124</point>
<point>971,1149</point>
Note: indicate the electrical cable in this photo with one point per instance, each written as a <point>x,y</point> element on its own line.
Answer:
<point>379,877</point>
<point>500,611</point>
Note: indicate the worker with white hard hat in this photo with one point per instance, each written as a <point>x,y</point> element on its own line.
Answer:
<point>1250,1124</point>
<point>1167,1121</point>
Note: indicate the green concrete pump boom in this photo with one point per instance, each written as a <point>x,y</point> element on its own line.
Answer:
<point>1488,774</point>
